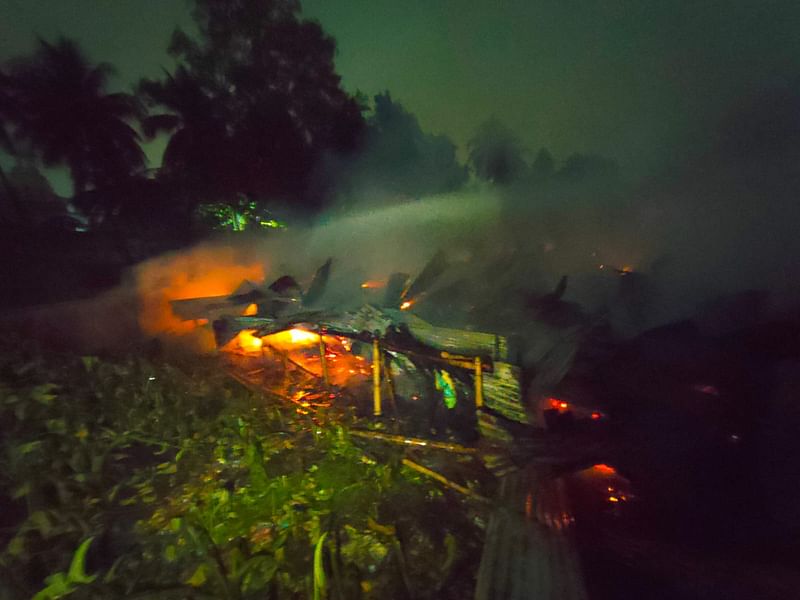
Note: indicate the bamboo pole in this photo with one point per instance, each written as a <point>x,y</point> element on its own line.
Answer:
<point>478,382</point>
<point>443,480</point>
<point>376,377</point>
<point>410,441</point>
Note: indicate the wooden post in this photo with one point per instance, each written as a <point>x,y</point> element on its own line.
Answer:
<point>478,382</point>
<point>376,377</point>
<point>323,361</point>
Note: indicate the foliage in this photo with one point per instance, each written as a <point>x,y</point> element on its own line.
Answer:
<point>399,158</point>
<point>62,108</point>
<point>63,584</point>
<point>191,486</point>
<point>241,215</point>
<point>255,101</point>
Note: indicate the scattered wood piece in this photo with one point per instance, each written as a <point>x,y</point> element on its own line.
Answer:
<point>410,441</point>
<point>444,480</point>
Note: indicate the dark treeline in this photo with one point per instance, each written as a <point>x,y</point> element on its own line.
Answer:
<point>258,130</point>
<point>256,117</point>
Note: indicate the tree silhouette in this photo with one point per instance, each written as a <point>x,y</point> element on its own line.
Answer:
<point>543,166</point>
<point>198,147</point>
<point>255,100</point>
<point>63,110</point>
<point>495,153</point>
<point>398,157</point>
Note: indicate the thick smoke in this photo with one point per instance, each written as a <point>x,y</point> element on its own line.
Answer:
<point>710,229</point>
<point>640,253</point>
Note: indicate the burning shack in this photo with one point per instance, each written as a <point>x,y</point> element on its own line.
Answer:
<point>380,358</point>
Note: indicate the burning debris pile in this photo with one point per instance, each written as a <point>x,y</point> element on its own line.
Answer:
<point>379,358</point>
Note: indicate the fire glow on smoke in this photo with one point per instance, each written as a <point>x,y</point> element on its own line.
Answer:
<point>205,271</point>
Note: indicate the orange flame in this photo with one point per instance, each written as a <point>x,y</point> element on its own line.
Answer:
<point>372,284</point>
<point>292,337</point>
<point>604,469</point>
<point>248,342</point>
<point>205,271</point>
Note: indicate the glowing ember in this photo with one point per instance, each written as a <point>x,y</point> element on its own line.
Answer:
<point>604,469</point>
<point>559,405</point>
<point>372,284</point>
<point>406,305</point>
<point>251,310</point>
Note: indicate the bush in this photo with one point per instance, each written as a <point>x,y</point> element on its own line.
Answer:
<point>190,486</point>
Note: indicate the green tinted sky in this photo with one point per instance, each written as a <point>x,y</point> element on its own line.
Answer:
<point>631,79</point>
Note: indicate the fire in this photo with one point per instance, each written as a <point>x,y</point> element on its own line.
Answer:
<point>299,336</point>
<point>286,340</point>
<point>251,310</point>
<point>205,271</point>
<point>603,469</point>
<point>372,284</point>
<point>406,305</point>
<point>248,342</point>
<point>559,405</point>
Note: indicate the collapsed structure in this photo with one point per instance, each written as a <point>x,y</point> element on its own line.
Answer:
<point>382,356</point>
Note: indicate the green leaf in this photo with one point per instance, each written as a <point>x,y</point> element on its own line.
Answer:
<point>170,553</point>
<point>58,586</point>
<point>167,468</point>
<point>28,447</point>
<point>199,576</point>
<point>77,572</point>
<point>257,572</point>
<point>320,582</point>
<point>16,546</point>
<point>42,393</point>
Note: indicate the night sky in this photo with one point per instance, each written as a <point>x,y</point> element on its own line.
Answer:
<point>635,80</point>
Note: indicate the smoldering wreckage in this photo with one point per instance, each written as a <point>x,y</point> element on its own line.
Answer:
<point>384,359</point>
<point>436,360</point>
<point>564,416</point>
<point>493,385</point>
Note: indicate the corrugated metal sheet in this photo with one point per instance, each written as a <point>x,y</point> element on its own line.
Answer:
<point>502,393</point>
<point>460,341</point>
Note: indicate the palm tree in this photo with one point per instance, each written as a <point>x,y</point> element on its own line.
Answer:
<point>198,133</point>
<point>65,113</point>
